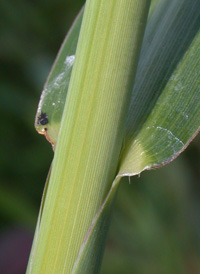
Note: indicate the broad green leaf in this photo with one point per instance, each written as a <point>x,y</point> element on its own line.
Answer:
<point>51,105</point>
<point>153,6</point>
<point>92,130</point>
<point>52,101</point>
<point>165,109</point>
<point>165,112</point>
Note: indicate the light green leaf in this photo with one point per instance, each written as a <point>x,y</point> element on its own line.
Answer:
<point>164,115</point>
<point>52,101</point>
<point>51,105</point>
<point>165,112</point>
<point>91,252</point>
<point>154,5</point>
<point>92,130</point>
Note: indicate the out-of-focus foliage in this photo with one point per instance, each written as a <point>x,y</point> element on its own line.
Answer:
<point>156,226</point>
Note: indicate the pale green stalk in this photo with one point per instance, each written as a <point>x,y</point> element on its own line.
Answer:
<point>92,129</point>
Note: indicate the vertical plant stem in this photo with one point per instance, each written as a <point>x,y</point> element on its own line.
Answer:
<point>92,128</point>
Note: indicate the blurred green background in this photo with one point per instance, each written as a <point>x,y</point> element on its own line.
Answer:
<point>155,226</point>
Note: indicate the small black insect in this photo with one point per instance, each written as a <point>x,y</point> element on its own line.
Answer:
<point>43,119</point>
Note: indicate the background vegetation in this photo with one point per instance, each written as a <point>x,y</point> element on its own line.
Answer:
<point>155,226</point>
